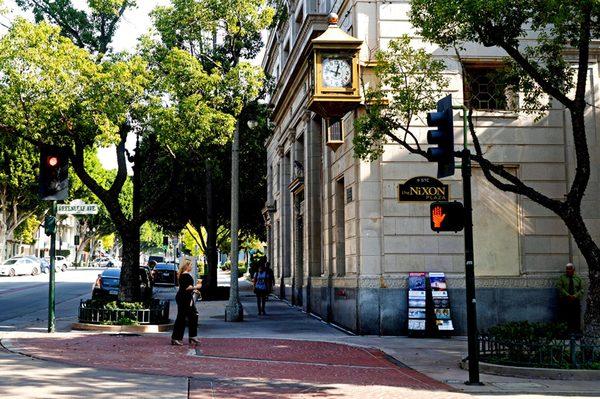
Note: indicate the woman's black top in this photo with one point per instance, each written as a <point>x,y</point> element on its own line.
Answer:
<point>184,296</point>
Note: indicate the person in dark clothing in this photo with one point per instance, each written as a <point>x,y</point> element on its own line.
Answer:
<point>186,308</point>
<point>263,284</point>
<point>570,292</point>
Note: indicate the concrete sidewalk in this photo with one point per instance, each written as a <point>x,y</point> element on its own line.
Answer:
<point>285,354</point>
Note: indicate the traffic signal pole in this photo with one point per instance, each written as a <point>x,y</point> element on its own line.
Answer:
<point>472,345</point>
<point>470,272</point>
<point>52,282</point>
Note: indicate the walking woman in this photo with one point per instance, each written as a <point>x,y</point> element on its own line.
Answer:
<point>186,308</point>
<point>263,283</point>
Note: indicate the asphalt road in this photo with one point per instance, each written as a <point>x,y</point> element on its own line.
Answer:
<point>24,299</point>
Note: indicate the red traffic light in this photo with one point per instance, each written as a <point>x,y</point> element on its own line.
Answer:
<point>54,173</point>
<point>52,161</point>
<point>447,216</point>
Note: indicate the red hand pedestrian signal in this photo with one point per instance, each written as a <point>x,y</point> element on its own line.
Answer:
<point>447,216</point>
<point>437,216</point>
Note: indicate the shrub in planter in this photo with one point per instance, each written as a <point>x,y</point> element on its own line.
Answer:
<point>528,332</point>
<point>525,343</point>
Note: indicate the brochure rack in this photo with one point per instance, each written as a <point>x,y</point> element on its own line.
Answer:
<point>428,305</point>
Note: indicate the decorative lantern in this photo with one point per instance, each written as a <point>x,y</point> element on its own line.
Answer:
<point>334,78</point>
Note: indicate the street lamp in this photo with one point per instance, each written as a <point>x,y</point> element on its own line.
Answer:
<point>234,310</point>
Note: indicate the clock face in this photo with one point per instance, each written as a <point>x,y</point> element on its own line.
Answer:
<point>337,72</point>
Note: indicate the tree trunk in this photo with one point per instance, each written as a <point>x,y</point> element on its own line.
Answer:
<point>3,234</point>
<point>590,251</point>
<point>211,232</point>
<point>130,286</point>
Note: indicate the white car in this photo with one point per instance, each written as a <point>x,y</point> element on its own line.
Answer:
<point>17,266</point>
<point>60,263</point>
<point>106,261</point>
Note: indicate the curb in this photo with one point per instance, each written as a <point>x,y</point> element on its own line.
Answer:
<point>535,373</point>
<point>151,328</point>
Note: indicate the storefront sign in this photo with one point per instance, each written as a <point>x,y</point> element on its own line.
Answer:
<point>423,188</point>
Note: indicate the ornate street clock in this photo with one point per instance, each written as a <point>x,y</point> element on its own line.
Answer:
<point>334,78</point>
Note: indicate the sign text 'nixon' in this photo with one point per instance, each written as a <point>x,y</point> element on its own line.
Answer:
<point>423,188</point>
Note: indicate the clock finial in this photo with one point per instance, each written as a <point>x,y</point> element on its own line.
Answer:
<point>333,19</point>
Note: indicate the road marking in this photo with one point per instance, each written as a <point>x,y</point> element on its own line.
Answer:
<point>11,290</point>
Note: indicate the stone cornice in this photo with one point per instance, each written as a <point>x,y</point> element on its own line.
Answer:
<point>454,281</point>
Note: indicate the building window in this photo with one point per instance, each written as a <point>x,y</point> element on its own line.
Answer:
<point>340,229</point>
<point>487,87</point>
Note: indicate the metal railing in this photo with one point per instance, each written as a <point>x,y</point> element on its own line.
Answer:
<point>157,314</point>
<point>572,353</point>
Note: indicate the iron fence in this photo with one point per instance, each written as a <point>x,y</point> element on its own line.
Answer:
<point>573,352</point>
<point>158,313</point>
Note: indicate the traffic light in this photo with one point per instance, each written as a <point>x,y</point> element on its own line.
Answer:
<point>443,154</point>
<point>165,241</point>
<point>49,225</point>
<point>54,173</point>
<point>447,216</point>
<point>76,240</point>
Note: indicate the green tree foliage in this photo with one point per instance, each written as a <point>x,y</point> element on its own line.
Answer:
<point>52,91</point>
<point>551,69</point>
<point>192,241</point>
<point>204,35</point>
<point>91,227</point>
<point>18,187</point>
<point>151,237</point>
<point>92,28</point>
<point>27,231</point>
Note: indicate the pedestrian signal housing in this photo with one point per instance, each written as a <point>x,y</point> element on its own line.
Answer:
<point>49,225</point>
<point>54,173</point>
<point>443,154</point>
<point>447,216</point>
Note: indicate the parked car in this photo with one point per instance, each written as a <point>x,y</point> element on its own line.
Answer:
<point>60,263</point>
<point>106,261</point>
<point>165,274</point>
<point>156,258</point>
<point>107,285</point>
<point>43,265</point>
<point>18,266</point>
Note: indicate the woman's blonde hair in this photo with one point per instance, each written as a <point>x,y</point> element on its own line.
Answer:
<point>184,266</point>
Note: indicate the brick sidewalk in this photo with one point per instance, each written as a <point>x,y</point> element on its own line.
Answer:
<point>290,367</point>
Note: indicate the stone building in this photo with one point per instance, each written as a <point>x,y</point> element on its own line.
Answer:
<point>340,242</point>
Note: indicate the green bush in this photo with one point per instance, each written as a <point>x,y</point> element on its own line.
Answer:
<point>113,305</point>
<point>226,266</point>
<point>63,252</point>
<point>241,266</point>
<point>122,321</point>
<point>525,331</point>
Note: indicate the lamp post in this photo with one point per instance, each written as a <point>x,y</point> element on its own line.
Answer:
<point>234,310</point>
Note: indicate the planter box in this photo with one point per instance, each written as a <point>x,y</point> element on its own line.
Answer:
<point>157,314</point>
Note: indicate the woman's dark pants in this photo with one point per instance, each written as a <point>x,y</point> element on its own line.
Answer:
<point>261,300</point>
<point>184,313</point>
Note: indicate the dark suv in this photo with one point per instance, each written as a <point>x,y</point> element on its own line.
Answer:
<point>165,274</point>
<point>107,285</point>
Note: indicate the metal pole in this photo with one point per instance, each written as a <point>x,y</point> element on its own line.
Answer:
<point>470,272</point>
<point>234,310</point>
<point>52,283</point>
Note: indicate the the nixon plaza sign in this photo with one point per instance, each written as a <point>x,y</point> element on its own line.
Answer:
<point>423,188</point>
<point>81,209</point>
